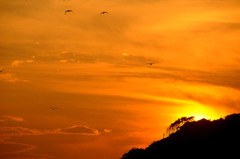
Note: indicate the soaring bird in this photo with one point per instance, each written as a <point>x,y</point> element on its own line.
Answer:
<point>68,11</point>
<point>104,13</point>
<point>150,64</point>
<point>53,108</point>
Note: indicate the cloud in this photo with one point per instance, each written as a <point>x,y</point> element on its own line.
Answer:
<point>7,132</point>
<point>16,63</point>
<point>107,130</point>
<point>13,147</point>
<point>63,61</point>
<point>225,78</point>
<point>77,130</point>
<point>13,118</point>
<point>117,59</point>
<point>9,149</point>
<point>9,77</point>
<point>29,61</point>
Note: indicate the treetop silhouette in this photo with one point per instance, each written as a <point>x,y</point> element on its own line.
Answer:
<point>195,139</point>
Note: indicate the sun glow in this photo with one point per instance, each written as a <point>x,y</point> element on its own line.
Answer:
<point>199,112</point>
<point>199,116</point>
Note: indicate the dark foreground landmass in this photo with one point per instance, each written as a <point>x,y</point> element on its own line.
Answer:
<point>196,139</point>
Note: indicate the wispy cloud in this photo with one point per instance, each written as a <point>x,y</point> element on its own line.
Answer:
<point>6,132</point>
<point>9,149</point>
<point>107,130</point>
<point>74,130</point>
<point>13,118</point>
<point>9,77</point>
<point>12,148</point>
<point>225,78</point>
<point>16,63</point>
<point>118,59</point>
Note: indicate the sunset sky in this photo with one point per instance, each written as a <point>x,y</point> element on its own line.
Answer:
<point>93,68</point>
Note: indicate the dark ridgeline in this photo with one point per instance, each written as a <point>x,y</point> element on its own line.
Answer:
<point>196,139</point>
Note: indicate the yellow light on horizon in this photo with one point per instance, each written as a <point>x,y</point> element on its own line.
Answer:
<point>187,108</point>
<point>199,116</point>
<point>199,112</point>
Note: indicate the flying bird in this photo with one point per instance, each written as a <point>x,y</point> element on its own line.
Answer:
<point>53,108</point>
<point>68,11</point>
<point>150,64</point>
<point>104,13</point>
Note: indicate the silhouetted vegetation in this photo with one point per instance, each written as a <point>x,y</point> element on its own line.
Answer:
<point>178,123</point>
<point>195,139</point>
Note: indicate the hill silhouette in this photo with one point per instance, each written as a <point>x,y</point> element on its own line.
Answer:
<point>196,139</point>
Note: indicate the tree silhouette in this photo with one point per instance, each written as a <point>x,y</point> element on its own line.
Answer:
<point>178,123</point>
<point>204,138</point>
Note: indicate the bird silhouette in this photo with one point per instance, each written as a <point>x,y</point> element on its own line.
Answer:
<point>53,108</point>
<point>150,64</point>
<point>68,11</point>
<point>104,13</point>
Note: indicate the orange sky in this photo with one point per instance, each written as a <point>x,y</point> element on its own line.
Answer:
<point>93,69</point>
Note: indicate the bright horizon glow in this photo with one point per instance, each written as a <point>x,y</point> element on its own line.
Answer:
<point>199,112</point>
<point>191,108</point>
